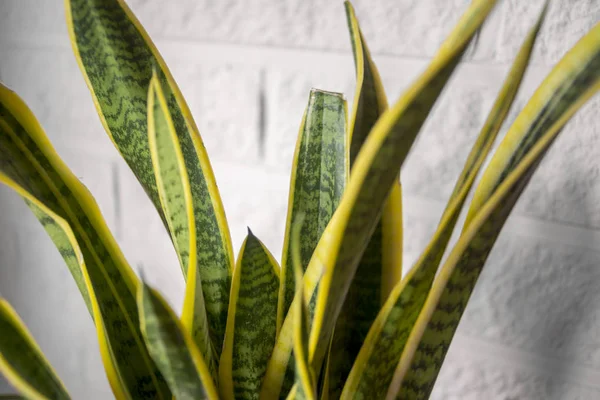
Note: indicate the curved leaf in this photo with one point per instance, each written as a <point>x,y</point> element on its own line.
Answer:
<point>117,59</point>
<point>176,199</point>
<point>377,166</point>
<point>318,178</point>
<point>173,348</point>
<point>30,166</point>
<point>22,362</point>
<point>373,370</point>
<point>251,329</point>
<point>574,80</point>
<point>381,264</point>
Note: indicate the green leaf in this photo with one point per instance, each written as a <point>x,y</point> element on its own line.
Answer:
<point>173,348</point>
<point>375,171</point>
<point>29,165</point>
<point>373,370</point>
<point>381,264</point>
<point>251,321</point>
<point>117,59</point>
<point>572,82</point>
<point>176,198</point>
<point>305,380</point>
<point>23,363</point>
<point>318,178</point>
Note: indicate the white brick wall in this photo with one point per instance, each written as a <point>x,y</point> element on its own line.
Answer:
<point>532,328</point>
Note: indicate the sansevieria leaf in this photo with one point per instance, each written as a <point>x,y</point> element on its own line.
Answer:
<point>305,379</point>
<point>251,322</point>
<point>375,171</point>
<point>117,59</point>
<point>173,348</point>
<point>381,264</point>
<point>176,199</point>
<point>574,80</point>
<point>319,175</point>
<point>23,363</point>
<point>29,165</point>
<point>374,368</point>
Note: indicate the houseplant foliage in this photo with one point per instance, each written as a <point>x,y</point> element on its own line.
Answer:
<point>336,320</point>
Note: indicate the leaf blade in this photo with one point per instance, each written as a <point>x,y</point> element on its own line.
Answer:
<point>374,367</point>
<point>173,348</point>
<point>305,380</point>
<point>574,80</point>
<point>176,198</point>
<point>117,59</point>
<point>368,188</point>
<point>31,167</point>
<point>22,362</point>
<point>381,264</point>
<point>317,182</point>
<point>251,323</point>
<point>375,172</point>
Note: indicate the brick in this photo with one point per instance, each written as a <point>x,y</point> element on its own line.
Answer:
<point>409,27</point>
<point>466,376</point>
<point>26,17</point>
<point>406,28</point>
<point>254,198</point>
<point>441,149</point>
<point>419,223</point>
<point>566,22</point>
<point>50,82</point>
<point>225,103</point>
<point>539,297</point>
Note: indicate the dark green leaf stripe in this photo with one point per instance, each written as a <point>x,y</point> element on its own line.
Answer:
<point>251,324</point>
<point>377,166</point>
<point>317,183</point>
<point>373,371</point>
<point>22,361</point>
<point>173,349</point>
<point>176,199</point>
<point>29,164</point>
<point>369,287</point>
<point>117,59</point>
<point>574,80</point>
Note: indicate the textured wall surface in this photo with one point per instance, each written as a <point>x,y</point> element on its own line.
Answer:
<point>532,329</point>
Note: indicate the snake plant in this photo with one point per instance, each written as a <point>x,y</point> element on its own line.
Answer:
<point>337,319</point>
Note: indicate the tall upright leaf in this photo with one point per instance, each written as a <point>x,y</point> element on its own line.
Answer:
<point>251,328</point>
<point>176,199</point>
<point>173,348</point>
<point>375,171</point>
<point>318,178</point>
<point>117,59</point>
<point>381,264</point>
<point>373,370</point>
<point>572,82</point>
<point>22,362</point>
<point>305,380</point>
<point>29,165</point>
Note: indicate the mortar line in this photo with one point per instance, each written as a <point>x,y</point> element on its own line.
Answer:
<point>268,56</point>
